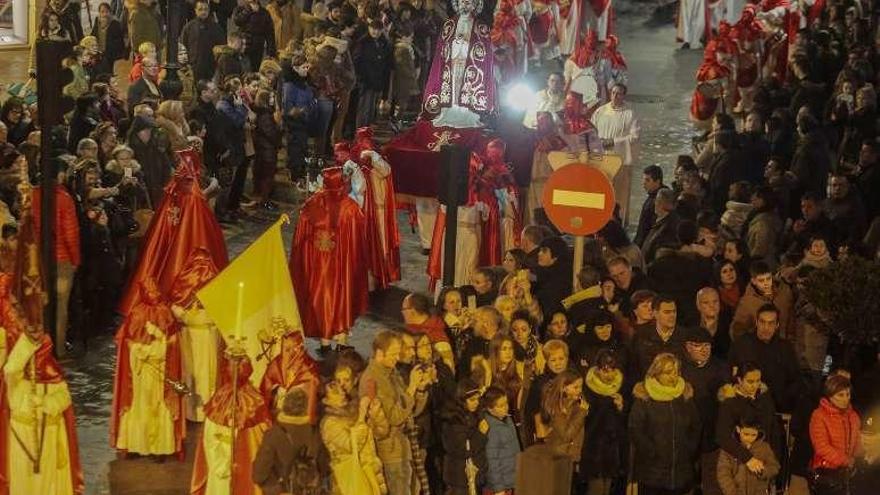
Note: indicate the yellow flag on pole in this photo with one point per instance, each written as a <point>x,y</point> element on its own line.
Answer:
<point>252,299</point>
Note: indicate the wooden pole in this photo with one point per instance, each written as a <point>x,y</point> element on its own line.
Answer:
<point>578,261</point>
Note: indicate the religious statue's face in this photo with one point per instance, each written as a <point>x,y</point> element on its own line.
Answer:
<point>466,6</point>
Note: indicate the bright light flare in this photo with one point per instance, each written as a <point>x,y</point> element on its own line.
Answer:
<point>521,97</point>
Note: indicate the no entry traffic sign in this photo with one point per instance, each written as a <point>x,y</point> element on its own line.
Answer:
<point>578,199</point>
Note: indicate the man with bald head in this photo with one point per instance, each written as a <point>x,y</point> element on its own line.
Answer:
<point>714,320</point>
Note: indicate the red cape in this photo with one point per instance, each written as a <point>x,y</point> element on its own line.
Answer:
<point>151,307</point>
<point>298,369</point>
<point>183,223</point>
<point>384,262</point>
<point>327,261</point>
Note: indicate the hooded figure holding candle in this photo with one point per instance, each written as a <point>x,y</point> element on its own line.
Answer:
<point>148,417</point>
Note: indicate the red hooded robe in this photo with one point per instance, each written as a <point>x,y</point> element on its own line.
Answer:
<point>327,259</point>
<point>183,222</point>
<point>496,175</point>
<point>292,367</point>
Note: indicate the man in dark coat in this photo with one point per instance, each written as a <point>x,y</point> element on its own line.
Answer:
<point>231,62</point>
<point>868,180</point>
<point>153,153</point>
<point>813,223</point>
<point>663,336</point>
<point>204,110</point>
<point>652,181</point>
<point>754,148</point>
<point>664,230</point>
<point>775,357</point>
<point>146,88</point>
<point>725,168</point>
<point>372,63</point>
<point>199,36</point>
<point>846,211</point>
<point>812,159</point>
<point>258,30</point>
<point>706,374</point>
<point>679,272</point>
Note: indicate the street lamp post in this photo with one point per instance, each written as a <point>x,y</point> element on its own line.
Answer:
<point>171,86</point>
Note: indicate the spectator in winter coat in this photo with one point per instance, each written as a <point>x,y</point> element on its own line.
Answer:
<point>563,409</point>
<point>748,397</point>
<point>663,231</point>
<point>556,354</point>
<point>464,439</point>
<point>846,211</point>
<point>231,61</point>
<point>774,356</point>
<point>763,289</point>
<point>298,107</point>
<point>373,60</point>
<point>405,74</point>
<point>661,337</point>
<point>715,320</point>
<point>502,443</point>
<point>68,13</point>
<point>764,231</point>
<point>604,450</point>
<point>679,273</point>
<point>258,30</point>
<point>734,476</point>
<point>144,25</point>
<point>199,36</point>
<point>664,428</point>
<point>834,433</point>
<point>652,181</point>
<point>706,374</point>
<point>290,440</point>
<point>736,211</point>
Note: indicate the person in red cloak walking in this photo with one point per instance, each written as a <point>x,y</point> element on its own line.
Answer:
<point>380,209</point>
<point>183,222</point>
<point>11,326</point>
<point>291,368</point>
<point>746,35</point>
<point>148,416</point>
<point>712,85</point>
<point>499,192</point>
<point>44,460</point>
<point>237,410</point>
<point>781,25</point>
<point>327,261</point>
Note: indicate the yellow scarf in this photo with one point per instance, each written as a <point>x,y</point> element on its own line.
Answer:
<point>602,388</point>
<point>663,393</point>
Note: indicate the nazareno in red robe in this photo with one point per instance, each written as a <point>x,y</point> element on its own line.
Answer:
<point>328,259</point>
<point>252,419</point>
<point>182,223</point>
<point>292,367</point>
<point>151,307</point>
<point>384,262</point>
<point>493,176</point>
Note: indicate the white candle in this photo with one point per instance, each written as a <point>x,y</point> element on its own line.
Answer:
<point>239,311</point>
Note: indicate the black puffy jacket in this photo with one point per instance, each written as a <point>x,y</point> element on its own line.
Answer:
<point>666,437</point>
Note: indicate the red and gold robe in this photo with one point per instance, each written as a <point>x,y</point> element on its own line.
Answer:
<point>327,260</point>
<point>182,223</point>
<point>153,310</point>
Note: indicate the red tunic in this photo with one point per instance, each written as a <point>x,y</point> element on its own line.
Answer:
<point>328,259</point>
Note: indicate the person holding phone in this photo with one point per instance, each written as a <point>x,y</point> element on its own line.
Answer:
<point>400,402</point>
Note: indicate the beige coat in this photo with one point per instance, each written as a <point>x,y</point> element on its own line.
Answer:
<point>747,308</point>
<point>736,479</point>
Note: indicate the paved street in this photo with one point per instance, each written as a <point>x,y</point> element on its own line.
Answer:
<point>661,81</point>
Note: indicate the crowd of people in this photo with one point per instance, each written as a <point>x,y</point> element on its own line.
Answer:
<point>687,358</point>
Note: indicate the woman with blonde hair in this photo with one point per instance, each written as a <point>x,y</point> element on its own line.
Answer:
<point>664,428</point>
<point>171,118</point>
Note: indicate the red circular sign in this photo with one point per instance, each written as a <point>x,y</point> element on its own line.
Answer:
<point>578,199</point>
